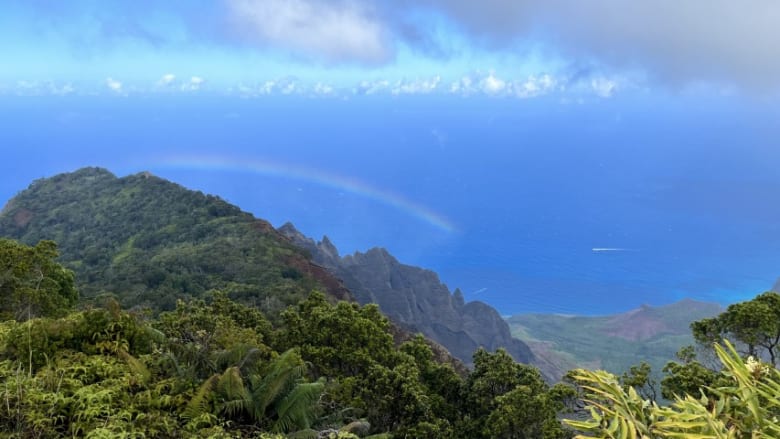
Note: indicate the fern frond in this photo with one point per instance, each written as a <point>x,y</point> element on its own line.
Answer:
<point>198,405</point>
<point>280,377</point>
<point>295,411</point>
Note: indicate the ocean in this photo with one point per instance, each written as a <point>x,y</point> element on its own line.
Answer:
<point>538,205</point>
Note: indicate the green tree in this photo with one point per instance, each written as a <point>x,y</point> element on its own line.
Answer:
<point>754,323</point>
<point>505,399</point>
<point>32,283</point>
<point>640,377</point>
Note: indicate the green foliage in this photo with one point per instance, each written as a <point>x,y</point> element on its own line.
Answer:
<point>504,399</point>
<point>32,284</point>
<point>151,242</point>
<point>754,323</point>
<point>688,377</point>
<point>745,406</point>
<point>640,378</point>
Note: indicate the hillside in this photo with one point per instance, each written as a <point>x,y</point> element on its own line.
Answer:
<point>613,343</point>
<point>416,298</point>
<point>151,242</point>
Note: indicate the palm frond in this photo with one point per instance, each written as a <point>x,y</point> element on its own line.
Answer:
<point>234,395</point>
<point>295,411</point>
<point>198,405</point>
<point>280,377</point>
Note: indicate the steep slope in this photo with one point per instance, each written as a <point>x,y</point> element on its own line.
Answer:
<point>614,343</point>
<point>151,241</point>
<point>415,298</point>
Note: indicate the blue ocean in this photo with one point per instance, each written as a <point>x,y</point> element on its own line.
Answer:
<point>543,205</point>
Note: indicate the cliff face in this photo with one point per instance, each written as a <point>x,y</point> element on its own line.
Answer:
<point>416,299</point>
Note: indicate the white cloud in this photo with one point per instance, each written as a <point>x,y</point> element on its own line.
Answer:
<point>372,87</point>
<point>464,85</point>
<point>492,85</point>
<point>417,86</point>
<point>332,30</point>
<point>534,86</point>
<point>321,89</point>
<point>677,42</point>
<point>43,88</point>
<point>194,84</point>
<point>603,87</point>
<point>114,85</point>
<point>167,79</point>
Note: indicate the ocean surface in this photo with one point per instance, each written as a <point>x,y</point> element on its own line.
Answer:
<point>535,205</point>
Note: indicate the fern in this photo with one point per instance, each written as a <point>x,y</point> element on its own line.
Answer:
<point>295,410</point>
<point>280,378</point>
<point>199,404</point>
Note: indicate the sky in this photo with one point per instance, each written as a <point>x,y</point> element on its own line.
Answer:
<point>540,155</point>
<point>502,47</point>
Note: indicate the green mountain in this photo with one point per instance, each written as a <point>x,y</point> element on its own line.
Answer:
<point>613,343</point>
<point>151,242</point>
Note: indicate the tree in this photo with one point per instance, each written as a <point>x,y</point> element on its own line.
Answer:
<point>754,323</point>
<point>32,283</point>
<point>687,376</point>
<point>640,377</point>
<point>505,399</point>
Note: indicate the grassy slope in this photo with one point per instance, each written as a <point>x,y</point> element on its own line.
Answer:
<point>613,343</point>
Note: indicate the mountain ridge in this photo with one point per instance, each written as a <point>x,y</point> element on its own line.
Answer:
<point>612,342</point>
<point>416,298</point>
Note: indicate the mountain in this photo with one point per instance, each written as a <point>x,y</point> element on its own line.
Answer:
<point>614,343</point>
<point>416,299</point>
<point>150,242</point>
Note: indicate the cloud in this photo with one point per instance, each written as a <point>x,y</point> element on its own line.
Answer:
<point>492,85</point>
<point>372,87</point>
<point>194,84</point>
<point>332,31</point>
<point>114,85</point>
<point>534,86</point>
<point>603,87</point>
<point>41,88</point>
<point>678,42</point>
<point>167,79</point>
<point>321,89</point>
<point>417,86</point>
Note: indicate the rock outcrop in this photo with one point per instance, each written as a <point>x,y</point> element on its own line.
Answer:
<point>416,299</point>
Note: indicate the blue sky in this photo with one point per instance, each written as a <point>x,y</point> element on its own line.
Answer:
<point>518,48</point>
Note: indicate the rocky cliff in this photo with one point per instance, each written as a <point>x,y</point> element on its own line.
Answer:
<point>415,298</point>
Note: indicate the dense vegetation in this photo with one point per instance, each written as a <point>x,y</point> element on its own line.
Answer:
<point>149,241</point>
<point>222,369</point>
<point>735,397</point>
<point>201,321</point>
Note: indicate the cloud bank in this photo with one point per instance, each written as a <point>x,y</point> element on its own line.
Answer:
<point>671,40</point>
<point>328,30</point>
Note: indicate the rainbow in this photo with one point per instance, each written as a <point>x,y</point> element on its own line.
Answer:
<point>309,175</point>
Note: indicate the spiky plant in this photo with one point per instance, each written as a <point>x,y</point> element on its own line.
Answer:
<point>748,408</point>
